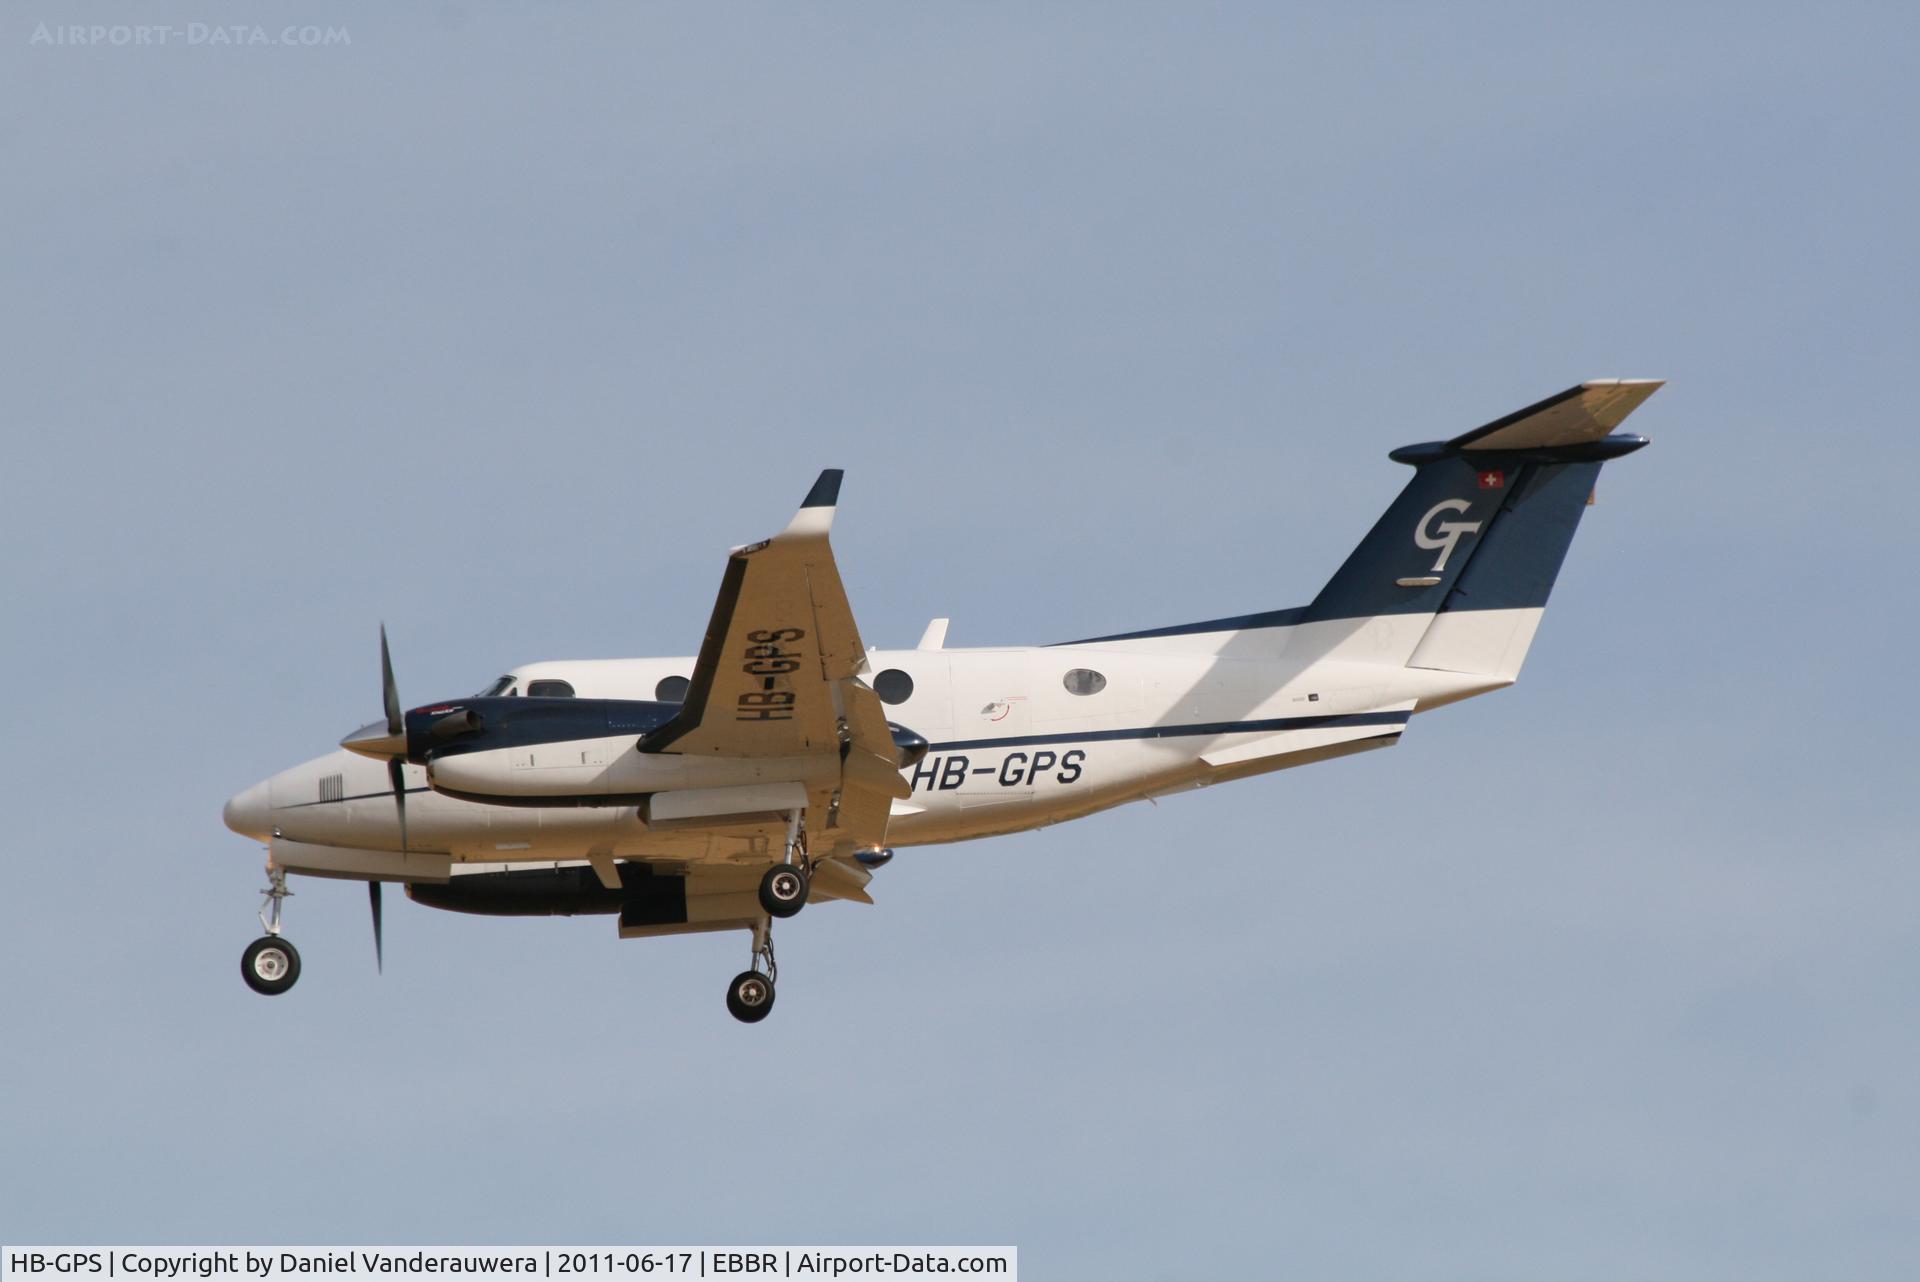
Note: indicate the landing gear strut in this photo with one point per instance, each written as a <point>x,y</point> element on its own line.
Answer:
<point>784,887</point>
<point>750,995</point>
<point>271,964</point>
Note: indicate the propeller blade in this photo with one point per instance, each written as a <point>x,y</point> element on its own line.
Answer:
<point>373,900</point>
<point>397,776</point>
<point>396,724</point>
<point>396,739</point>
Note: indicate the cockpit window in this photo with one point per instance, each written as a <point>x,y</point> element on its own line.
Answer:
<point>550,689</point>
<point>672,689</point>
<point>499,687</point>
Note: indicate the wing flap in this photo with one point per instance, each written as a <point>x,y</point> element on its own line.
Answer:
<point>841,879</point>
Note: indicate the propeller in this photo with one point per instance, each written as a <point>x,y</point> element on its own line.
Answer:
<point>389,741</point>
<point>396,766</point>
<point>389,691</point>
<point>373,901</point>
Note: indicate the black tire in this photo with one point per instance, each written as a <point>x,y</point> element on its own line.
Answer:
<point>750,997</point>
<point>783,890</point>
<point>270,965</point>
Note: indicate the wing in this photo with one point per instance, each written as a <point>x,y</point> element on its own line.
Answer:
<point>779,674</point>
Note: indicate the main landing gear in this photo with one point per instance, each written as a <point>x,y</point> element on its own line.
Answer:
<point>271,964</point>
<point>784,887</point>
<point>750,995</point>
<point>783,892</point>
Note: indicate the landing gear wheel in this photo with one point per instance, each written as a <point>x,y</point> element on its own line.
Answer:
<point>750,996</point>
<point>271,964</point>
<point>783,891</point>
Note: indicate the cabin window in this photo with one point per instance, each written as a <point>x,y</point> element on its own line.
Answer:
<point>893,686</point>
<point>672,690</point>
<point>1083,681</point>
<point>550,689</point>
<point>499,687</point>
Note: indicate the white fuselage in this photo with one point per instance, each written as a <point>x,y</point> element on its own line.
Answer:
<point>1016,741</point>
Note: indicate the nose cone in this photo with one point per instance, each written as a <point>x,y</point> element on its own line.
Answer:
<point>251,813</point>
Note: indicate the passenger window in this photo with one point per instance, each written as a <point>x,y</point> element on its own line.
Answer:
<point>893,686</point>
<point>672,690</point>
<point>549,689</point>
<point>1084,681</point>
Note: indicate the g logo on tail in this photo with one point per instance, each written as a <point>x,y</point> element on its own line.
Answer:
<point>1446,534</point>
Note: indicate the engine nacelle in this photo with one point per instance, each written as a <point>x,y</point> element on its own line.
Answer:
<point>909,747</point>
<point>585,752</point>
<point>444,730</point>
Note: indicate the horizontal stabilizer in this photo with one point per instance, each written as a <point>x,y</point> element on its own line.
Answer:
<point>1574,417</point>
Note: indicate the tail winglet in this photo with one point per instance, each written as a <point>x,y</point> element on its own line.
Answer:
<point>815,516</point>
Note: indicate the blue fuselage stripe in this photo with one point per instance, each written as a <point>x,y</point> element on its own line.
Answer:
<point>1206,729</point>
<point>386,793</point>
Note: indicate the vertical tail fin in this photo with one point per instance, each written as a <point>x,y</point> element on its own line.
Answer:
<point>1417,550</point>
<point>1464,558</point>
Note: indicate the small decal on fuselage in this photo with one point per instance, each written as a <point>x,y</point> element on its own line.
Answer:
<point>1015,770</point>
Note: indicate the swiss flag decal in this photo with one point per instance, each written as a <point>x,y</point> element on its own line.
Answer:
<point>1493,480</point>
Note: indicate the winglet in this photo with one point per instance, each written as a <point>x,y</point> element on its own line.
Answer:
<point>826,490</point>
<point>815,516</point>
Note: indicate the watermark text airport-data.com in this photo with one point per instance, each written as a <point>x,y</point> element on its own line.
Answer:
<point>185,35</point>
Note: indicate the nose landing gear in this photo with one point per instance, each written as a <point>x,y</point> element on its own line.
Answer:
<point>271,964</point>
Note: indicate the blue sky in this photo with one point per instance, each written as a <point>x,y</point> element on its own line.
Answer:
<point>502,326</point>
